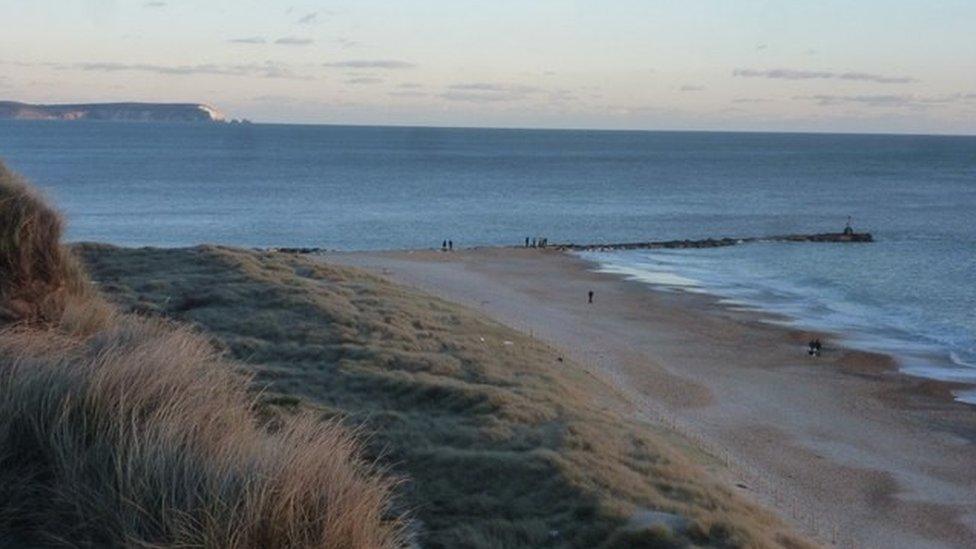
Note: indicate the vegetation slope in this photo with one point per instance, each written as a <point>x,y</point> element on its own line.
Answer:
<point>502,442</point>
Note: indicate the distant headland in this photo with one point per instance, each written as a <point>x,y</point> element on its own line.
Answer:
<point>123,112</point>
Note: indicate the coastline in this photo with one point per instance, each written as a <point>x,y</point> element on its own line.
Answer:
<point>911,357</point>
<point>844,446</point>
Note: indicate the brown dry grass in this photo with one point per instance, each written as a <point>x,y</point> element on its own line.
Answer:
<point>37,275</point>
<point>505,443</point>
<point>122,431</point>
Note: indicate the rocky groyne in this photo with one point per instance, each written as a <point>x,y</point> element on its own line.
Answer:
<point>843,237</point>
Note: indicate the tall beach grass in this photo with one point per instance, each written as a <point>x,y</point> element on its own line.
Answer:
<point>123,431</point>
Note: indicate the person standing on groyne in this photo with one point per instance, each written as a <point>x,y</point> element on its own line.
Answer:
<point>848,229</point>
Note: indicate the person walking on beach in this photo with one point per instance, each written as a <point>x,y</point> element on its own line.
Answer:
<point>444,246</point>
<point>526,242</point>
<point>450,245</point>
<point>589,296</point>
<point>814,347</point>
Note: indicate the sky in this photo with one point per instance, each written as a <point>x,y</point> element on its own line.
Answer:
<point>889,66</point>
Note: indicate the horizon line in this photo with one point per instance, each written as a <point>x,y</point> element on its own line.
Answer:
<point>231,119</point>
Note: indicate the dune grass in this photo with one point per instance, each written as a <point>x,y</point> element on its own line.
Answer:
<point>503,442</point>
<point>119,430</point>
<point>37,274</point>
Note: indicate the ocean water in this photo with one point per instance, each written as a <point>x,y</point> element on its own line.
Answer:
<point>911,293</point>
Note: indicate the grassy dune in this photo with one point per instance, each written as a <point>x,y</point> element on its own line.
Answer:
<point>119,430</point>
<point>502,442</point>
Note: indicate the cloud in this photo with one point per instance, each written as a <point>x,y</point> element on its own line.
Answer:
<point>408,93</point>
<point>308,18</point>
<point>868,77</point>
<point>883,100</point>
<point>293,41</point>
<point>364,80</point>
<point>477,97</point>
<point>345,43</point>
<point>562,96</point>
<point>488,87</point>
<point>691,88</point>
<point>798,74</point>
<point>784,74</point>
<point>262,70</point>
<point>410,85</point>
<point>486,92</point>
<point>761,47</point>
<point>371,64</point>
<point>154,5</point>
<point>750,100</point>
<point>248,40</point>
<point>272,97</point>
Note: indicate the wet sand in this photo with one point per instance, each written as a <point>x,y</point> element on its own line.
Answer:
<point>841,445</point>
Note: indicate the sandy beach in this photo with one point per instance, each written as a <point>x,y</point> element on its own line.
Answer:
<point>843,445</point>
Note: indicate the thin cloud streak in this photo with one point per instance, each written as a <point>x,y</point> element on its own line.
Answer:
<point>371,64</point>
<point>248,40</point>
<point>408,94</point>
<point>309,18</point>
<point>293,41</point>
<point>262,70</point>
<point>479,97</point>
<point>364,80</point>
<point>798,74</point>
<point>488,87</point>
<point>486,92</point>
<point>884,100</point>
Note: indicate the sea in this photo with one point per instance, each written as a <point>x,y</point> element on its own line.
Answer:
<point>912,293</point>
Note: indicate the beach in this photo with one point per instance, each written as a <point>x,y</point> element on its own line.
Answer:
<point>842,445</point>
